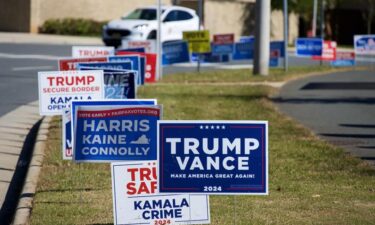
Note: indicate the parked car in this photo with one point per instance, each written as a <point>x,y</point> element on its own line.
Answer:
<point>141,24</point>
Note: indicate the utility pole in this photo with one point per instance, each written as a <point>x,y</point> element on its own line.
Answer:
<point>322,19</point>
<point>159,69</point>
<point>262,37</point>
<point>314,18</point>
<point>286,39</point>
<point>200,13</point>
<point>322,24</point>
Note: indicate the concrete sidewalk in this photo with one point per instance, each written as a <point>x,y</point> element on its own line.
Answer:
<point>12,37</point>
<point>17,136</point>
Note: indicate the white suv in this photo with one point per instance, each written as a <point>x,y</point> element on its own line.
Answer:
<point>141,24</point>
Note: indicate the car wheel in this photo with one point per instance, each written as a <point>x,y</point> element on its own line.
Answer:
<point>152,35</point>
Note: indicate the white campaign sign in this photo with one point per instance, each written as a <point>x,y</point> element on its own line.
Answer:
<point>150,45</point>
<point>92,51</point>
<point>136,199</point>
<point>58,88</point>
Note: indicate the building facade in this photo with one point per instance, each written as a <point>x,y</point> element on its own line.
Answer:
<point>219,16</point>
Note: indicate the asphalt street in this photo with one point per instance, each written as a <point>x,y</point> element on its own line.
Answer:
<point>339,107</point>
<point>20,62</point>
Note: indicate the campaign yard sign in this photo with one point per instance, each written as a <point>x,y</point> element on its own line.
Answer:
<point>108,134</point>
<point>67,134</point>
<point>150,61</point>
<point>199,41</point>
<point>175,52</point>
<point>274,58</point>
<point>244,39</point>
<point>222,39</point>
<point>67,145</point>
<point>213,157</point>
<point>148,45</point>
<point>71,63</point>
<point>344,59</point>
<point>243,50</point>
<point>278,45</point>
<point>107,65</point>
<point>140,50</point>
<point>364,44</point>
<point>92,51</point>
<point>223,44</point>
<point>306,47</point>
<point>329,51</point>
<point>118,83</point>
<point>136,199</point>
<point>136,65</point>
<point>58,88</point>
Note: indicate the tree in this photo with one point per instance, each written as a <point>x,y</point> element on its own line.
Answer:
<point>368,13</point>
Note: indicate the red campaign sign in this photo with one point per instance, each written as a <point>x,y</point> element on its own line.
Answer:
<point>221,39</point>
<point>70,64</point>
<point>345,55</point>
<point>329,51</point>
<point>150,73</point>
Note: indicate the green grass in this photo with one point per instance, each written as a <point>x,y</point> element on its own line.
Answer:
<point>245,75</point>
<point>310,181</point>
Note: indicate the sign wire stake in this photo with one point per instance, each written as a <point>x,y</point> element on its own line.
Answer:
<point>82,188</point>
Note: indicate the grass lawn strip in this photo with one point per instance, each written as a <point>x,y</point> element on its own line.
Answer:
<point>311,182</point>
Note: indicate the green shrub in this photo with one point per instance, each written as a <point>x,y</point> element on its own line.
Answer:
<point>71,26</point>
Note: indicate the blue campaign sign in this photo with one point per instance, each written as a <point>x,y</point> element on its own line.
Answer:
<point>207,57</point>
<point>109,134</point>
<point>136,64</point>
<point>113,103</point>
<point>243,50</point>
<point>278,45</point>
<point>139,50</point>
<point>67,148</point>
<point>142,61</point>
<point>120,85</point>
<point>364,44</point>
<point>309,47</point>
<point>274,62</point>
<point>75,104</point>
<point>220,49</point>
<point>107,65</point>
<point>175,52</point>
<point>247,39</point>
<point>344,59</point>
<point>343,62</point>
<point>213,157</point>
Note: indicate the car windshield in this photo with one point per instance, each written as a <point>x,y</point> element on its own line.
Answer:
<point>141,14</point>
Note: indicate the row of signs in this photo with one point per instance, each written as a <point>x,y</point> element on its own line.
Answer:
<point>163,171</point>
<point>318,49</point>
<point>213,156</point>
<point>364,45</point>
<point>222,48</point>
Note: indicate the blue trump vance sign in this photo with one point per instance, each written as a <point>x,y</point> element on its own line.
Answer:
<point>213,157</point>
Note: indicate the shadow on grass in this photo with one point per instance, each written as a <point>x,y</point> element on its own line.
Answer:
<point>99,224</point>
<point>71,190</point>
<point>368,101</point>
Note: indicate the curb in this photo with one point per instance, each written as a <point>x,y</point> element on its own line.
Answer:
<point>24,207</point>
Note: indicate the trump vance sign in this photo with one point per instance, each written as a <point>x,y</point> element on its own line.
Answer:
<point>213,157</point>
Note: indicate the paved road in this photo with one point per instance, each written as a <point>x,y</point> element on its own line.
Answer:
<point>339,107</point>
